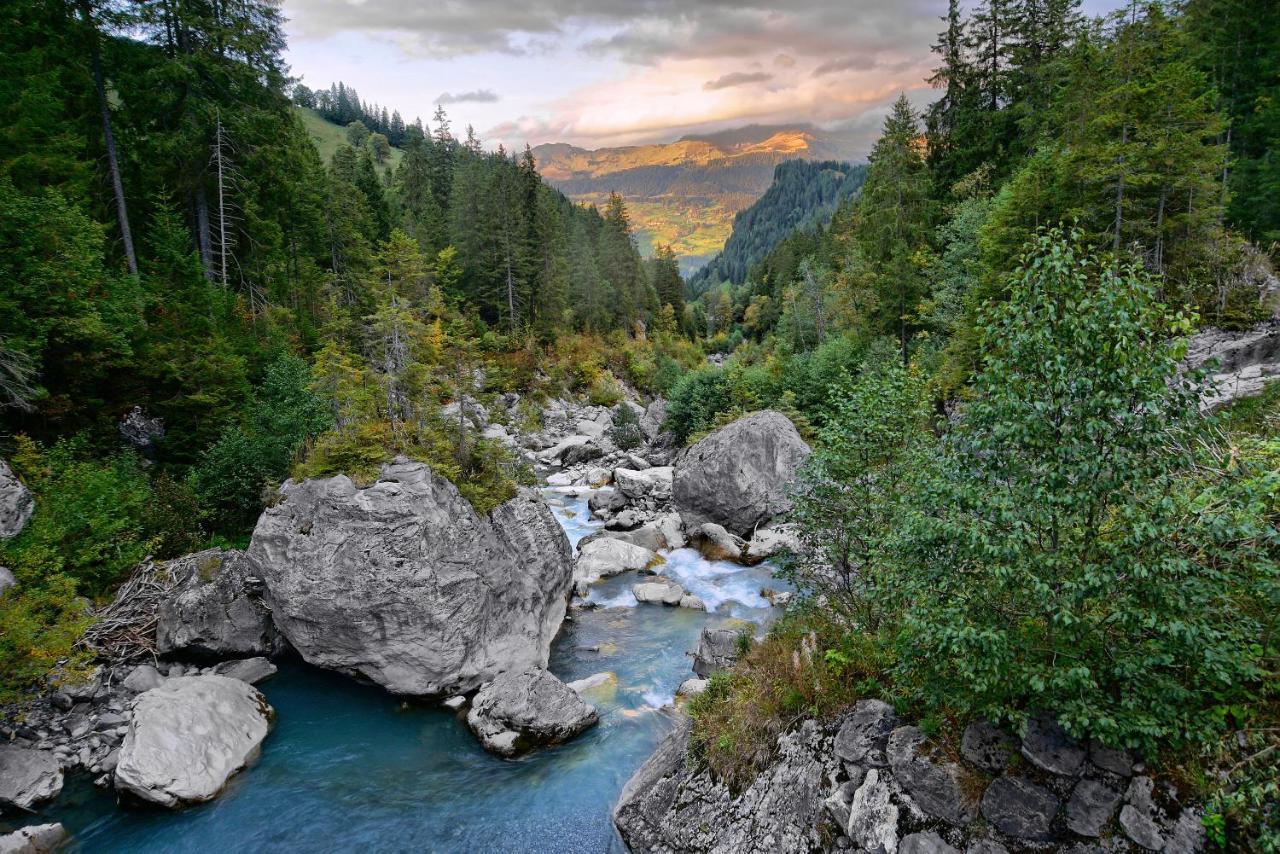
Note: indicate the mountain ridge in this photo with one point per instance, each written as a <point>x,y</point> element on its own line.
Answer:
<point>686,193</point>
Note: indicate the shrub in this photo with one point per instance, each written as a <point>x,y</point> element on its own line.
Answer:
<point>1063,551</point>
<point>626,433</point>
<point>695,400</point>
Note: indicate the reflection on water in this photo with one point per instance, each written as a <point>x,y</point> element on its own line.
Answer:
<point>349,767</point>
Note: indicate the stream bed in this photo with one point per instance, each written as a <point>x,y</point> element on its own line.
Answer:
<point>348,767</point>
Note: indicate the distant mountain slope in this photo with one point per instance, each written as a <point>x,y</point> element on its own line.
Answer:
<point>687,192</point>
<point>804,194</point>
<point>328,136</point>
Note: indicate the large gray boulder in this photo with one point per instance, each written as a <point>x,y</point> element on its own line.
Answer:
<point>521,711</point>
<point>609,556</point>
<point>720,646</point>
<point>404,585</point>
<point>27,777</point>
<point>16,503</point>
<point>187,738</point>
<point>739,475</point>
<point>216,609</point>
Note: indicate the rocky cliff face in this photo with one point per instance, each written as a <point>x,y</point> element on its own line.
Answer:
<point>404,585</point>
<point>870,782</point>
<point>1242,364</point>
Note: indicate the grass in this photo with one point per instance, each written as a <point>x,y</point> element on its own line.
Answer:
<point>328,137</point>
<point>805,668</point>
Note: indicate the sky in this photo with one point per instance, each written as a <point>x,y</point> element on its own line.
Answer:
<point>599,73</point>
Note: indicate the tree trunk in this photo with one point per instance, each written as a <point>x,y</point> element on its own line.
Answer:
<point>113,163</point>
<point>202,232</point>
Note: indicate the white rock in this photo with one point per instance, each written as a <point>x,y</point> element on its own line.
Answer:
<point>16,503</point>
<point>28,777</point>
<point>873,817</point>
<point>188,737</point>
<point>35,839</point>
<point>652,482</point>
<point>607,557</point>
<point>662,590</point>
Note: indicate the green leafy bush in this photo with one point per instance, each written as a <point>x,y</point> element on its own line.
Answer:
<point>695,400</point>
<point>625,432</point>
<point>1064,551</point>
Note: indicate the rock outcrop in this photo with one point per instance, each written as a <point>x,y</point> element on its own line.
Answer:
<point>216,609</point>
<point>738,476</point>
<point>16,503</point>
<point>188,737</point>
<point>404,585</point>
<point>521,711</point>
<point>867,782</point>
<point>27,777</point>
<point>1242,364</point>
<point>670,804</point>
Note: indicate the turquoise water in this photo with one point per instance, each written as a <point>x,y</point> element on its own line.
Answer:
<point>349,767</point>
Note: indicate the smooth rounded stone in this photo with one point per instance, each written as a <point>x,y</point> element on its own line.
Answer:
<point>607,500</point>
<point>653,482</point>
<point>693,603</point>
<point>16,503</point>
<point>987,746</point>
<point>692,687</point>
<point>404,585</point>
<point>35,839</point>
<point>144,677</point>
<point>927,842</point>
<point>1020,808</point>
<point>598,683</point>
<point>864,734</point>
<point>1109,759</point>
<point>873,816</point>
<point>251,670</point>
<point>28,777</point>
<point>716,543</point>
<point>1047,746</point>
<point>769,542</point>
<point>635,462</point>
<point>518,712</point>
<point>776,598</point>
<point>662,591</point>
<point>188,737</point>
<point>672,530</point>
<point>608,556</point>
<point>597,476</point>
<point>7,579</point>
<point>455,704</point>
<point>720,646</point>
<point>985,846</point>
<point>216,609</point>
<point>1090,807</point>
<point>938,787</point>
<point>739,475</point>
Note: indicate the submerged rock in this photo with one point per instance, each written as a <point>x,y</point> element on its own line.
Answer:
<point>716,543</point>
<point>404,585</point>
<point>28,777</point>
<point>16,503</point>
<point>661,590</point>
<point>521,711</point>
<point>188,737</point>
<point>738,476</point>
<point>216,609</point>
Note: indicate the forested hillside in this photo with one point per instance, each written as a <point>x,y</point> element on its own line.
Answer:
<point>803,195</point>
<point>171,241</point>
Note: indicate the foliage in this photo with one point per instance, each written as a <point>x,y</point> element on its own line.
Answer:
<point>1063,551</point>
<point>695,400</point>
<point>626,433</point>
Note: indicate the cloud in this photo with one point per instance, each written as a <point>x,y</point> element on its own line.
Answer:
<point>849,63</point>
<point>784,60</point>
<point>736,78</point>
<point>479,96</point>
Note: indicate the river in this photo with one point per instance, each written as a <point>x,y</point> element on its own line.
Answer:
<point>348,767</point>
